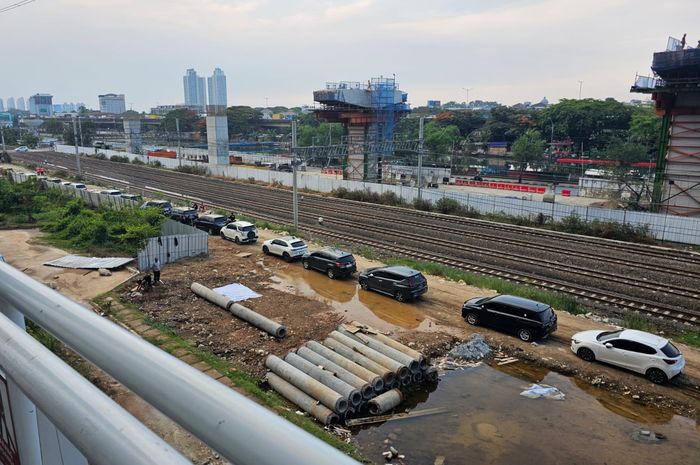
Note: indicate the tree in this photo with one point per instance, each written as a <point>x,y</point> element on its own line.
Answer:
<point>241,121</point>
<point>187,118</point>
<point>29,139</point>
<point>88,130</point>
<point>528,149</point>
<point>440,138</point>
<point>645,128</point>
<point>625,153</point>
<point>508,123</point>
<point>53,126</point>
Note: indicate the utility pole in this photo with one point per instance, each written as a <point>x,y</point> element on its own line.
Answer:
<point>2,135</point>
<point>420,157</point>
<point>80,129</point>
<point>75,140</point>
<point>179,147</point>
<point>580,86</point>
<point>467,90</point>
<point>295,200</point>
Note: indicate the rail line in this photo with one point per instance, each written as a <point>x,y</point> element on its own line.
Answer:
<point>218,194</point>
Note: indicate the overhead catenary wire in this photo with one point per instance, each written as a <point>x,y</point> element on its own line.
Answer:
<point>12,6</point>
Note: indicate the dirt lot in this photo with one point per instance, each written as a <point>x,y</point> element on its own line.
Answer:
<point>311,306</point>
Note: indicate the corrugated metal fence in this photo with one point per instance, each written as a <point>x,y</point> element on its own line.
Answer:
<point>662,226</point>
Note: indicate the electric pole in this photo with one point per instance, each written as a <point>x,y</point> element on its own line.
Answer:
<point>2,135</point>
<point>420,157</point>
<point>580,86</point>
<point>75,140</point>
<point>295,200</point>
<point>80,129</point>
<point>179,146</point>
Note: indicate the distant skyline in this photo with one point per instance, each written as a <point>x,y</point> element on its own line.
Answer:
<point>501,50</point>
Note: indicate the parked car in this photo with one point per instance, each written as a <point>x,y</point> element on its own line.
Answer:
<point>79,185</point>
<point>527,318</point>
<point>22,149</point>
<point>335,263</point>
<point>240,232</point>
<point>113,192</point>
<point>66,183</point>
<point>185,215</point>
<point>653,356</point>
<point>134,197</point>
<point>287,247</point>
<point>211,223</point>
<point>400,282</point>
<point>54,180</point>
<point>165,206</point>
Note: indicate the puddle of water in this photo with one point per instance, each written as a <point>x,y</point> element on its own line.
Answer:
<point>488,422</point>
<point>347,298</point>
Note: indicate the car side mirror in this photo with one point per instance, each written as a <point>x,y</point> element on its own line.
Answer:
<point>371,275</point>
<point>608,345</point>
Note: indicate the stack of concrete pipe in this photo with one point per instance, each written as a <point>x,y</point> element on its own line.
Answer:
<point>352,372</point>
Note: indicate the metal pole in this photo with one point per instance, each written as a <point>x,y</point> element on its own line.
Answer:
<point>2,135</point>
<point>75,140</point>
<point>227,421</point>
<point>420,157</point>
<point>580,86</point>
<point>102,430</point>
<point>179,147</point>
<point>295,200</point>
<point>80,130</point>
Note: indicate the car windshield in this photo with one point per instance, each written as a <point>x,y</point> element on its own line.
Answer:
<point>297,244</point>
<point>220,220</point>
<point>248,228</point>
<point>608,335</point>
<point>547,314</point>
<point>670,350</point>
<point>415,279</point>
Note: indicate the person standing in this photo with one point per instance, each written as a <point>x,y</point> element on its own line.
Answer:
<point>156,271</point>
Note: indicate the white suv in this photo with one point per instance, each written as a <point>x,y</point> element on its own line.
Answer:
<point>240,232</point>
<point>645,353</point>
<point>287,247</point>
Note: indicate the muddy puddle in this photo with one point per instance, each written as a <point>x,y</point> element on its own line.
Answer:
<point>347,298</point>
<point>487,421</point>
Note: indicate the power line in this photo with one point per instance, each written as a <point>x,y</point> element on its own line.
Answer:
<point>12,6</point>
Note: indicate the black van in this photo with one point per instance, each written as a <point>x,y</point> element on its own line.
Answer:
<point>528,319</point>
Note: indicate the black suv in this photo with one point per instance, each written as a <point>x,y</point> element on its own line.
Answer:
<point>185,215</point>
<point>211,223</point>
<point>400,282</point>
<point>527,318</point>
<point>165,206</point>
<point>335,263</point>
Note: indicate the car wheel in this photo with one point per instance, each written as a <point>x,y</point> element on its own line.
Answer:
<point>472,319</point>
<point>330,273</point>
<point>266,251</point>
<point>586,354</point>
<point>305,264</point>
<point>287,257</point>
<point>235,239</point>
<point>400,296</point>
<point>364,285</point>
<point>525,335</point>
<point>656,376</point>
<point>223,236</point>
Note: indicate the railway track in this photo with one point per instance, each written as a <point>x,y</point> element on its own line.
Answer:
<point>218,193</point>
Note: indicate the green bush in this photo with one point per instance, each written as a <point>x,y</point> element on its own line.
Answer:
<point>448,206</point>
<point>155,164</point>
<point>189,169</point>
<point>136,161</point>
<point>119,159</point>
<point>100,156</point>
<point>422,204</point>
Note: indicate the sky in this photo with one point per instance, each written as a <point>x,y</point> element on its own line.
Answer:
<point>282,50</point>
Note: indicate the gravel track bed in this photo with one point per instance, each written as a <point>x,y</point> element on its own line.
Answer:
<point>230,191</point>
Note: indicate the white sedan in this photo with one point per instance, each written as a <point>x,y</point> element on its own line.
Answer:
<point>287,247</point>
<point>653,356</point>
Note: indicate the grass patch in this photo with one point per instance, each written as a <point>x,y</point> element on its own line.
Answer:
<point>558,301</point>
<point>240,378</point>
<point>691,338</point>
<point>638,322</point>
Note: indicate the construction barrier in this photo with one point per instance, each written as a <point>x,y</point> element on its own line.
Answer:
<point>332,171</point>
<point>503,186</point>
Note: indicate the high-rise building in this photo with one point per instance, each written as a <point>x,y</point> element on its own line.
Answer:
<point>41,104</point>
<point>11,103</point>
<point>2,105</point>
<point>112,103</point>
<point>20,104</point>
<point>216,85</point>
<point>195,90</point>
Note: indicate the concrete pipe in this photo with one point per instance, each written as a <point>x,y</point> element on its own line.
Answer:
<point>304,401</point>
<point>431,374</point>
<point>387,375</point>
<point>358,383</point>
<point>327,396</point>
<point>417,377</point>
<point>326,377</point>
<point>385,402</point>
<point>414,354</point>
<point>361,372</point>
<point>273,328</point>
<point>384,349</point>
<point>399,368</point>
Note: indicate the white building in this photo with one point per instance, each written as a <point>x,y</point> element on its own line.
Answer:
<point>112,103</point>
<point>11,103</point>
<point>195,89</point>
<point>41,104</point>
<point>2,105</point>
<point>20,104</point>
<point>216,85</point>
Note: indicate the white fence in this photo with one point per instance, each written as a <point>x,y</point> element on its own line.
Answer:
<point>663,227</point>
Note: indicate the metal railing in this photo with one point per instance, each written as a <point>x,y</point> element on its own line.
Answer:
<point>239,429</point>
